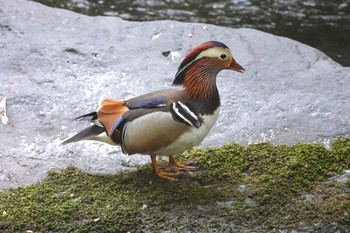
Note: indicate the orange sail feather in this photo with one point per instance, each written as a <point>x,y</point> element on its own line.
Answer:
<point>110,112</point>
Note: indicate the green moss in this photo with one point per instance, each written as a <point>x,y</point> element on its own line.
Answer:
<point>255,187</point>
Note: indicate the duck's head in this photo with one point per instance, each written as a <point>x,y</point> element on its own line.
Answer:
<point>202,64</point>
<point>214,56</point>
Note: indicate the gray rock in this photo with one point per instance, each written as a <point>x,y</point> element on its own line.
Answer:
<point>56,65</point>
<point>343,179</point>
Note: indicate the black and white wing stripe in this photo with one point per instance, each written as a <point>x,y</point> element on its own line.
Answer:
<point>184,114</point>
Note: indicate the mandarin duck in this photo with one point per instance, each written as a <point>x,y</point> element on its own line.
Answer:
<point>166,122</point>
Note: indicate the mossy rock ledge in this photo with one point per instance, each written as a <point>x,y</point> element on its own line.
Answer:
<point>56,65</point>
<point>255,188</point>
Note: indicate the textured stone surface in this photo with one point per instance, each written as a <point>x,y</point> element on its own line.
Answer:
<point>56,65</point>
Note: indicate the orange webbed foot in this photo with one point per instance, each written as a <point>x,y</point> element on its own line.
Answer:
<point>167,175</point>
<point>164,173</point>
<point>174,168</point>
<point>184,166</point>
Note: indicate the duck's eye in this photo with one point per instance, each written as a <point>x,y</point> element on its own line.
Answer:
<point>223,56</point>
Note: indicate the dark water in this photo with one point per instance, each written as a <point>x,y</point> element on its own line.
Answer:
<point>321,24</point>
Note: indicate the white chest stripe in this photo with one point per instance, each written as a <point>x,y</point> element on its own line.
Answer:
<point>183,114</point>
<point>188,110</point>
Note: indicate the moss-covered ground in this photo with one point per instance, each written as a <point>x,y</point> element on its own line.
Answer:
<point>254,188</point>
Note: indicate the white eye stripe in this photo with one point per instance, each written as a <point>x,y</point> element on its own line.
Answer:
<point>213,52</point>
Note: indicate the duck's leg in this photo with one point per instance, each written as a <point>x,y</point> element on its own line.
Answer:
<point>160,172</point>
<point>181,165</point>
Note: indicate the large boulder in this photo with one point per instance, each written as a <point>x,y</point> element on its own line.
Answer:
<point>56,65</point>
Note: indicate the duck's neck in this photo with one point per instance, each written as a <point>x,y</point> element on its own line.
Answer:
<point>200,84</point>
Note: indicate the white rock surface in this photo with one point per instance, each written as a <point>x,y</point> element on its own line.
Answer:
<point>56,65</point>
